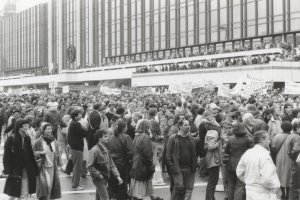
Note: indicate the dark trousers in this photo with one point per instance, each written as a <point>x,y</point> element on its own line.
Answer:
<point>116,191</point>
<point>294,193</point>
<point>183,184</point>
<point>77,157</point>
<point>202,167</point>
<point>213,178</point>
<point>101,189</point>
<point>236,188</point>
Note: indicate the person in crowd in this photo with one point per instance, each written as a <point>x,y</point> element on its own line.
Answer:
<point>213,153</point>
<point>275,122</point>
<point>182,171</point>
<point>248,121</point>
<point>19,163</point>
<point>31,132</point>
<point>236,146</point>
<point>104,124</point>
<point>52,116</point>
<point>162,114</point>
<point>101,165</point>
<point>121,150</point>
<point>39,111</point>
<point>143,167</point>
<point>296,113</point>
<point>47,155</point>
<point>287,112</point>
<point>66,119</point>
<point>262,123</point>
<point>113,125</point>
<point>94,125</point>
<point>257,170</point>
<point>280,146</point>
<point>293,152</point>
<point>199,117</point>
<point>11,123</point>
<point>76,134</point>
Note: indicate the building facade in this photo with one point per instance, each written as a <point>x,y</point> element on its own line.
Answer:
<point>74,34</point>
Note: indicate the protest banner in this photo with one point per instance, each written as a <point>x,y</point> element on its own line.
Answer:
<point>110,91</point>
<point>65,89</point>
<point>292,87</point>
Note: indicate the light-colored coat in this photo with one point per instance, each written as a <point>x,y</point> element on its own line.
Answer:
<point>257,170</point>
<point>41,185</point>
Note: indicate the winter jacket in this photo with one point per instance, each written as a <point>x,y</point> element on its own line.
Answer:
<point>236,147</point>
<point>172,154</point>
<point>257,170</point>
<point>42,186</point>
<point>15,159</point>
<point>142,163</point>
<point>76,134</point>
<point>101,163</point>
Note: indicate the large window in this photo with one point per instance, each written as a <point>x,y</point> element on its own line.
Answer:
<point>172,24</point>
<point>139,26</point>
<point>236,19</point>
<point>183,24</point>
<point>223,28</point>
<point>147,25</point>
<point>295,14</point>
<point>133,26</point>
<point>190,25</point>
<point>262,17</point>
<point>156,19</point>
<point>278,16</point>
<point>251,18</point>
<point>214,20</point>
<point>202,21</point>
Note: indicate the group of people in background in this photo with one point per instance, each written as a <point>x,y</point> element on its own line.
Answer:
<point>122,141</point>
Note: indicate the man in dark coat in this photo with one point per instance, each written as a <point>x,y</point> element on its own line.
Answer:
<point>94,125</point>
<point>19,163</point>
<point>181,158</point>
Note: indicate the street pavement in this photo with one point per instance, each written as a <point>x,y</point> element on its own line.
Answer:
<point>89,192</point>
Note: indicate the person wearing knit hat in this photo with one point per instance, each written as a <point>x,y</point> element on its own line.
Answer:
<point>237,145</point>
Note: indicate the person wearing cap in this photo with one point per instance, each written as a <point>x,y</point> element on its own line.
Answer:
<point>237,145</point>
<point>19,164</point>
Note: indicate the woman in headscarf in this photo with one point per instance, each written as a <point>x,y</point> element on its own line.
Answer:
<point>47,155</point>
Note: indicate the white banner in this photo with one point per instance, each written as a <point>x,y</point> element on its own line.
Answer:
<point>66,89</point>
<point>292,87</point>
<point>253,86</point>
<point>109,91</point>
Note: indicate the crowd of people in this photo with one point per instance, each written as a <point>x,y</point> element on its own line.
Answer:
<point>120,140</point>
<point>218,63</point>
<point>289,55</point>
